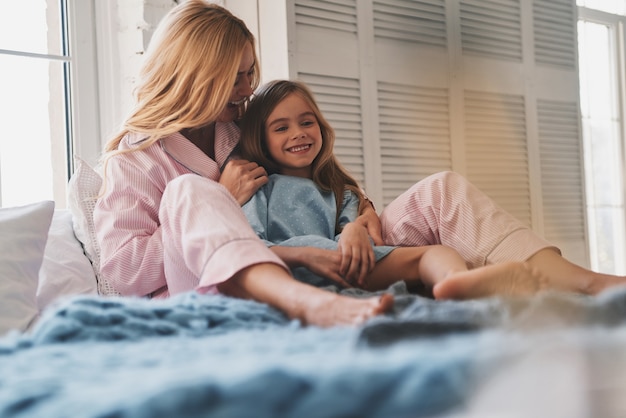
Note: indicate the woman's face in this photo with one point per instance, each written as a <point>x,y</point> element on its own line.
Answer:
<point>293,135</point>
<point>242,88</point>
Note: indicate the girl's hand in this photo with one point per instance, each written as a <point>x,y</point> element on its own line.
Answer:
<point>243,178</point>
<point>325,263</point>
<point>357,254</point>
<point>371,222</point>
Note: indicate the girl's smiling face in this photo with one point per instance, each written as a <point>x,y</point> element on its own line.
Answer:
<point>293,136</point>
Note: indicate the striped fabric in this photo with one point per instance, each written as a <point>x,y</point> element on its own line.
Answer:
<point>156,233</point>
<point>166,226</point>
<point>445,208</point>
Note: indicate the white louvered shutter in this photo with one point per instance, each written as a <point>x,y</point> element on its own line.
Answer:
<point>496,149</point>
<point>559,133</point>
<point>415,135</point>
<point>487,88</point>
<point>492,28</point>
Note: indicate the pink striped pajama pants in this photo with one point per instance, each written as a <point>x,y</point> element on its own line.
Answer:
<point>206,236</point>
<point>207,239</point>
<point>446,209</point>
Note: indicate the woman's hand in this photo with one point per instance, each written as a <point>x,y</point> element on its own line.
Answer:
<point>243,178</point>
<point>357,254</point>
<point>371,222</point>
<point>325,263</point>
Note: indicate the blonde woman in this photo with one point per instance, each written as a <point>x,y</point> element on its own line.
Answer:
<point>169,218</point>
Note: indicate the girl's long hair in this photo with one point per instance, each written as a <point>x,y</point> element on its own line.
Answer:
<point>189,72</point>
<point>327,171</point>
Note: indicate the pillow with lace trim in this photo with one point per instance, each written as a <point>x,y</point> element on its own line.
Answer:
<point>83,189</point>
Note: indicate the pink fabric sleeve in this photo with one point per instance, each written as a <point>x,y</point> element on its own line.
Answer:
<point>192,236</point>
<point>127,225</point>
<point>159,226</point>
<point>446,209</point>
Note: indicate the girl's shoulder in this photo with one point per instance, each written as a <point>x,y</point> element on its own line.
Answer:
<point>291,186</point>
<point>281,180</point>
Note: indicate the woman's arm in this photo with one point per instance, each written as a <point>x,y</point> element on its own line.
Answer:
<point>242,179</point>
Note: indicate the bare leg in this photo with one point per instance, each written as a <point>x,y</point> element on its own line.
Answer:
<point>428,264</point>
<point>567,276</point>
<point>446,209</point>
<point>443,269</point>
<point>272,284</point>
<point>545,270</point>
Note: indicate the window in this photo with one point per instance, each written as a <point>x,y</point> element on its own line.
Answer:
<point>43,63</point>
<point>601,71</point>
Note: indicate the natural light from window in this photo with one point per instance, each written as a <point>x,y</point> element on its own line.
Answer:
<point>32,103</point>
<point>617,7</point>
<point>601,91</point>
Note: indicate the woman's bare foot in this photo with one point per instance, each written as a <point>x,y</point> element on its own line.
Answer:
<point>510,279</point>
<point>332,309</point>
<point>599,282</point>
<point>570,277</point>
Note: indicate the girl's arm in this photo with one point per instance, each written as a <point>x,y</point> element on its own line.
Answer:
<point>325,263</point>
<point>369,219</point>
<point>354,242</point>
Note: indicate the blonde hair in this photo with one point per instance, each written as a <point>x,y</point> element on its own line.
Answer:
<point>189,72</point>
<point>327,171</point>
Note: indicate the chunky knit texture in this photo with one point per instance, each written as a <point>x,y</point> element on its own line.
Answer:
<point>204,355</point>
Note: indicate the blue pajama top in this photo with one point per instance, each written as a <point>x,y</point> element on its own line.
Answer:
<point>293,212</point>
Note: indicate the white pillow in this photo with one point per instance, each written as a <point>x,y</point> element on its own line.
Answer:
<point>83,190</point>
<point>23,236</point>
<point>65,269</point>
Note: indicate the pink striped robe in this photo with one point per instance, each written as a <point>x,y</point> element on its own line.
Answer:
<point>164,223</point>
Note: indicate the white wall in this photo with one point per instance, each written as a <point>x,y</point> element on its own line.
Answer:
<point>123,28</point>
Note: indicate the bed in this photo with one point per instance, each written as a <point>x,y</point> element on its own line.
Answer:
<point>69,346</point>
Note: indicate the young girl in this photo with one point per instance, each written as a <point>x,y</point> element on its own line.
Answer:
<point>306,211</point>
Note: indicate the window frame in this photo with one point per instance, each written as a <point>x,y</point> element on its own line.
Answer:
<point>617,30</point>
<point>84,107</point>
<point>78,92</point>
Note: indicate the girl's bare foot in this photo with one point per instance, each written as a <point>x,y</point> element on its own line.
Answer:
<point>332,309</point>
<point>509,279</point>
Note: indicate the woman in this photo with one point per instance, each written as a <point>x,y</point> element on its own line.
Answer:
<point>168,220</point>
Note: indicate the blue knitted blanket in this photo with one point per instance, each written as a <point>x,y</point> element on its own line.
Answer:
<point>205,355</point>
